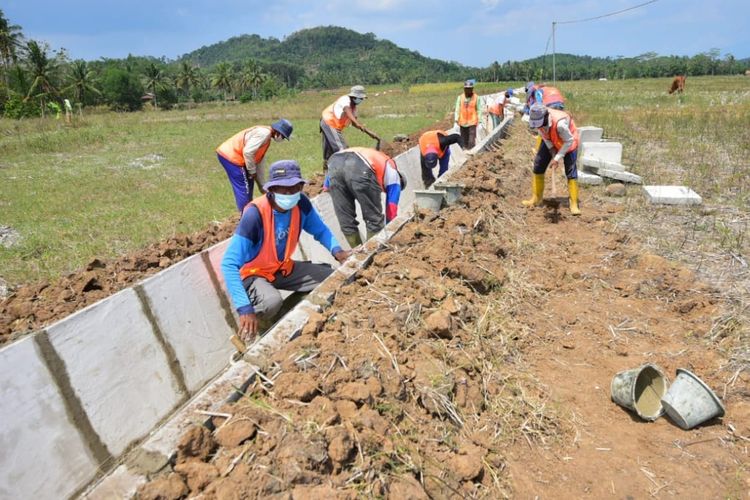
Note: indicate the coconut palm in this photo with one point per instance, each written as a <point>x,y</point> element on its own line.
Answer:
<point>82,79</point>
<point>252,77</point>
<point>10,42</point>
<point>42,70</point>
<point>187,76</point>
<point>223,77</point>
<point>154,80</point>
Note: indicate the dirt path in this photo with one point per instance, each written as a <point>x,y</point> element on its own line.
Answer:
<point>473,359</point>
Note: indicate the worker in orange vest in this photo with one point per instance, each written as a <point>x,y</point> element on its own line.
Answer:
<point>496,109</point>
<point>546,94</point>
<point>258,261</point>
<point>559,138</point>
<point>434,147</point>
<point>243,157</point>
<point>361,175</point>
<point>333,121</point>
<point>468,114</point>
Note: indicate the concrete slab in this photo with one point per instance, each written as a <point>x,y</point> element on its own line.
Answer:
<point>617,175</point>
<point>42,454</point>
<point>589,133</point>
<point>672,195</point>
<point>191,317</point>
<point>589,162</point>
<point>608,151</point>
<point>118,369</point>
<point>121,483</point>
<point>588,179</point>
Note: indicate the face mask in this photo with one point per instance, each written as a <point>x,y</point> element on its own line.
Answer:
<point>286,201</point>
<point>278,138</point>
<point>358,100</point>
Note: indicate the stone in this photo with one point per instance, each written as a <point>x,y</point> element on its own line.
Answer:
<point>439,324</point>
<point>616,189</point>
<point>235,432</point>
<point>672,195</point>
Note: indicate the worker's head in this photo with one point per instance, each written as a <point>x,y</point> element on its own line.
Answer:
<point>357,94</point>
<point>537,115</point>
<point>431,157</point>
<point>281,130</point>
<point>529,86</point>
<point>469,87</point>
<point>285,183</point>
<point>509,93</point>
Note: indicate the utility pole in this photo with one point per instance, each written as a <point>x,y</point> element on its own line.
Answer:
<point>554,68</point>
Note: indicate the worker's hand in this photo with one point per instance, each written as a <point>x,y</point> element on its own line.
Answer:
<point>553,164</point>
<point>342,255</point>
<point>248,327</point>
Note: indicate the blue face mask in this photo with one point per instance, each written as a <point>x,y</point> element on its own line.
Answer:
<point>286,201</point>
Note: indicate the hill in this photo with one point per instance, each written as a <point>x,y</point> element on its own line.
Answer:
<point>330,56</point>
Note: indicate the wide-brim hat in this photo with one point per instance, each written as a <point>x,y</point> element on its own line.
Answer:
<point>536,115</point>
<point>358,91</point>
<point>283,127</point>
<point>469,84</point>
<point>284,173</point>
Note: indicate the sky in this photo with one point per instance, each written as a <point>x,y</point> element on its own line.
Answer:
<point>471,32</point>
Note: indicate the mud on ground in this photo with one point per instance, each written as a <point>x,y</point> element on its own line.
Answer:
<point>473,359</point>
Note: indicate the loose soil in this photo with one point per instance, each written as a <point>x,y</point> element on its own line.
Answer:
<point>473,359</point>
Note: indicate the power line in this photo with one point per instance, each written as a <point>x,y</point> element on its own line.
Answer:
<point>606,15</point>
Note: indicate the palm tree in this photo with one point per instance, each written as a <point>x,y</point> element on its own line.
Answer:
<point>252,77</point>
<point>42,70</point>
<point>187,76</point>
<point>10,41</point>
<point>223,78</point>
<point>82,79</point>
<point>154,79</point>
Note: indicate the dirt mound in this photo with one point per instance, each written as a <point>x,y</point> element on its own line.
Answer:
<point>33,306</point>
<point>473,359</point>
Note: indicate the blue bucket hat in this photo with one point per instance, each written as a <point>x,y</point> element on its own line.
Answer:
<point>284,173</point>
<point>283,127</point>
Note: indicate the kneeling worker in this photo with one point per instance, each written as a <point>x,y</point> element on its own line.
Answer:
<point>361,174</point>
<point>560,137</point>
<point>434,146</point>
<point>258,262</point>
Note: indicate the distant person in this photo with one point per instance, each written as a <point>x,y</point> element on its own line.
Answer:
<point>468,114</point>
<point>333,121</point>
<point>497,108</point>
<point>560,138</point>
<point>258,261</point>
<point>434,147</point>
<point>361,174</point>
<point>243,157</point>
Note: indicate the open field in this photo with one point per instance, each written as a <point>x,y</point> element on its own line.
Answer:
<point>112,183</point>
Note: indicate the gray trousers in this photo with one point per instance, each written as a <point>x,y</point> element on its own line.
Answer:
<point>333,140</point>
<point>353,179</point>
<point>265,296</point>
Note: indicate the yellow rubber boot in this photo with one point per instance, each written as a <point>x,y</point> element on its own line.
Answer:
<point>354,239</point>
<point>537,144</point>
<point>573,192</point>
<point>537,191</point>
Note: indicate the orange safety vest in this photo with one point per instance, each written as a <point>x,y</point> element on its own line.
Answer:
<point>555,116</point>
<point>377,160</point>
<point>338,123</point>
<point>266,264</point>
<point>231,149</point>
<point>550,95</point>
<point>467,115</point>
<point>429,142</point>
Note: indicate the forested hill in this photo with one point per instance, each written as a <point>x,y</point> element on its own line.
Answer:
<point>330,56</point>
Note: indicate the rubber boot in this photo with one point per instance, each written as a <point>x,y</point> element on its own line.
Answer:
<point>537,191</point>
<point>371,235</point>
<point>537,144</point>
<point>573,192</point>
<point>354,239</point>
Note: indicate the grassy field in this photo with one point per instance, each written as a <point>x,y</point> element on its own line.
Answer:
<point>111,183</point>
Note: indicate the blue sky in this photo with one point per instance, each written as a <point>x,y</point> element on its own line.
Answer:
<point>476,34</point>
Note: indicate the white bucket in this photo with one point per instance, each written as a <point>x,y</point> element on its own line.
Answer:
<point>690,402</point>
<point>429,199</point>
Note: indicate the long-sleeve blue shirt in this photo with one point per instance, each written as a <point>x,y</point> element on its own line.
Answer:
<point>247,241</point>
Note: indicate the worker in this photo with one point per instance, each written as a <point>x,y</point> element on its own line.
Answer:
<point>468,114</point>
<point>333,121</point>
<point>258,261</point>
<point>560,138</point>
<point>243,157</point>
<point>546,94</point>
<point>434,147</point>
<point>496,109</point>
<point>361,174</point>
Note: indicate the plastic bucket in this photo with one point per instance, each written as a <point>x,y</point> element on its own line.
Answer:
<point>640,390</point>
<point>690,402</point>
<point>452,192</point>
<point>429,199</point>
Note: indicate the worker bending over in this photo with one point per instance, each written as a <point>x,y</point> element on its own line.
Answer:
<point>434,147</point>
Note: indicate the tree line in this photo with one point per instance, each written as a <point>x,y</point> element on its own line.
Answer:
<point>36,79</point>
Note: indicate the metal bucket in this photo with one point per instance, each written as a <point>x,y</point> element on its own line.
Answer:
<point>429,199</point>
<point>640,390</point>
<point>452,192</point>
<point>690,402</point>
